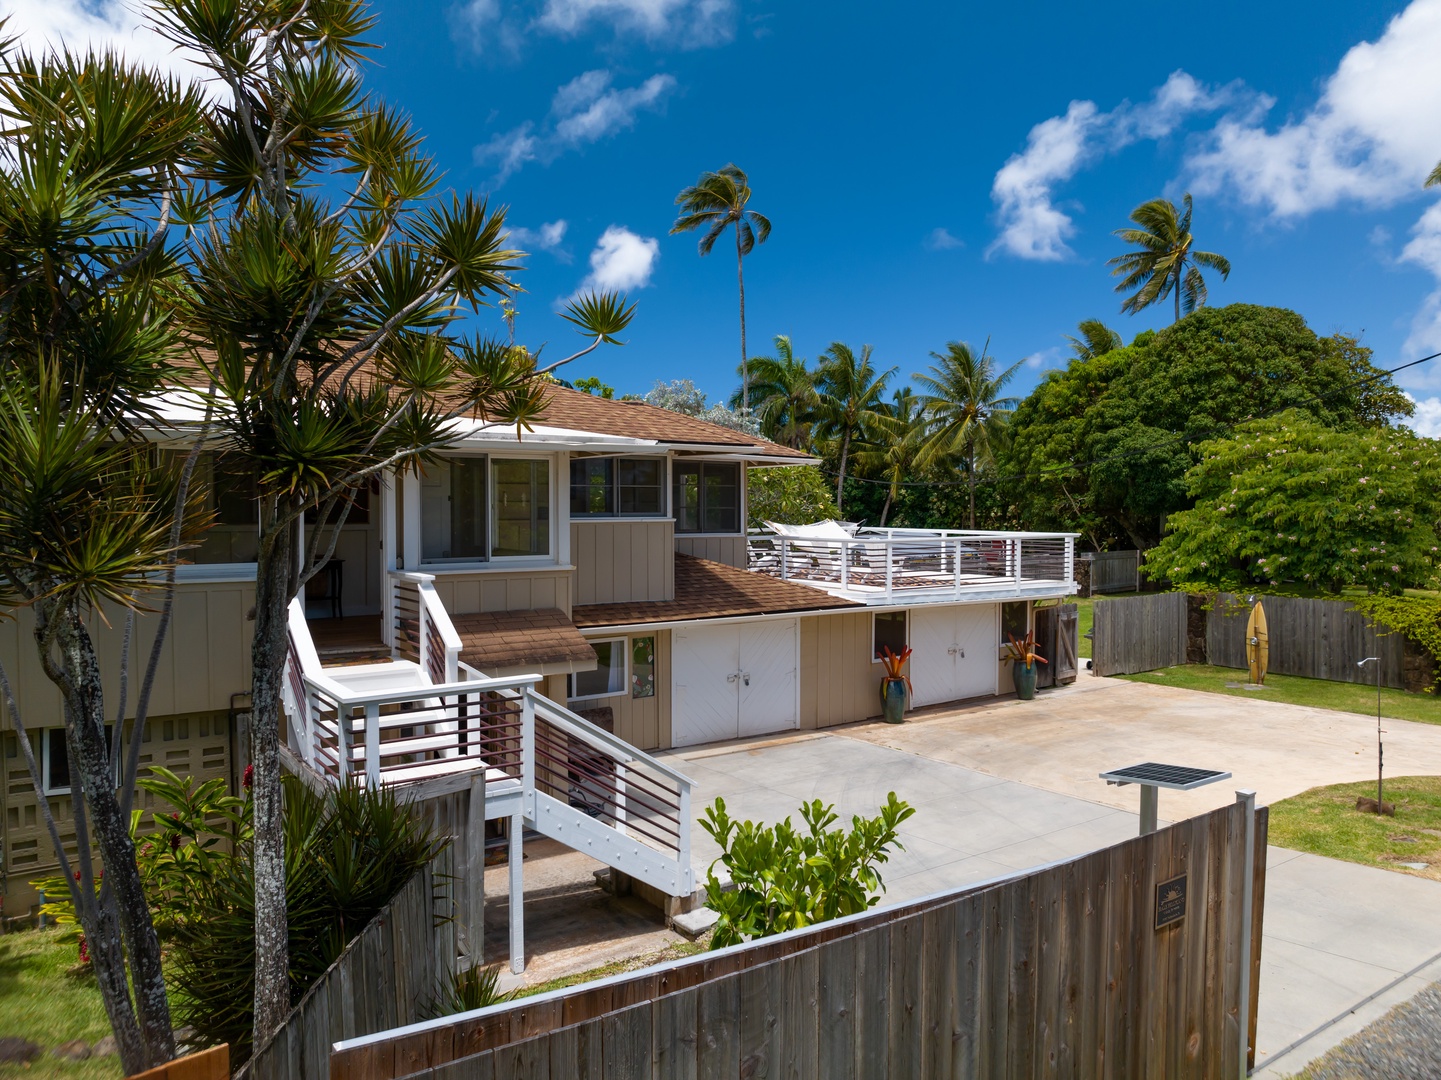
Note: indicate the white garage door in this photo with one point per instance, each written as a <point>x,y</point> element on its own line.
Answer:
<point>954,652</point>
<point>734,680</point>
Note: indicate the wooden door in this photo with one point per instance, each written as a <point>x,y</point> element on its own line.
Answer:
<point>1046,625</point>
<point>1068,640</point>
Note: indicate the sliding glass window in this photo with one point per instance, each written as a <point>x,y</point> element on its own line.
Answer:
<point>627,487</point>
<point>521,508</point>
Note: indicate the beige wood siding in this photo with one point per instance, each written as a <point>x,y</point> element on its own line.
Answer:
<point>205,660</point>
<point>619,561</point>
<point>503,590</point>
<point>642,722</point>
<point>730,550</point>
<point>839,684</point>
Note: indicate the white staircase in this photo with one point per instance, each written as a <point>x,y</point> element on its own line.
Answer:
<point>426,721</point>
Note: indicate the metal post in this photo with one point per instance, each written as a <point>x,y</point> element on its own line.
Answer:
<point>620,809</point>
<point>1148,808</point>
<point>687,877</point>
<point>517,895</point>
<point>785,551</point>
<point>845,567</point>
<point>372,745</point>
<point>1248,884</point>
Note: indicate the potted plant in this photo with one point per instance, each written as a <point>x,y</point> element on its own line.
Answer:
<point>1022,652</point>
<point>895,686</point>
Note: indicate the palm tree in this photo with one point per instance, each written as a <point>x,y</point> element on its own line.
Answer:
<point>962,399</point>
<point>717,201</point>
<point>1435,177</point>
<point>782,395</point>
<point>849,392</point>
<point>1096,339</point>
<point>900,430</point>
<point>1160,268</point>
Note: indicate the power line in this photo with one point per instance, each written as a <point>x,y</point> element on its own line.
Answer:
<point>1071,466</point>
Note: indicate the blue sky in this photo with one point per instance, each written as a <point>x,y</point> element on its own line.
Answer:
<point>932,172</point>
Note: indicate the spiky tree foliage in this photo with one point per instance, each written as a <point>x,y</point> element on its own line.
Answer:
<point>1166,264</point>
<point>90,520</point>
<point>961,394</point>
<point>1097,339</point>
<point>326,276</point>
<point>898,435</point>
<point>1435,177</point>
<point>783,395</point>
<point>716,202</point>
<point>850,401</point>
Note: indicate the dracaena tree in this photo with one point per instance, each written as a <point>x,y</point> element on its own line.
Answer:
<point>91,520</point>
<point>328,277</point>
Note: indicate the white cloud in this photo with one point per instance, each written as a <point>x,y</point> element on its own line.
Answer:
<point>1032,226</point>
<point>82,25</point>
<point>622,260</point>
<point>1424,250</point>
<point>1046,359</point>
<point>584,110</point>
<point>1427,420</point>
<point>546,238</point>
<point>942,240</point>
<point>485,25</point>
<point>1371,137</point>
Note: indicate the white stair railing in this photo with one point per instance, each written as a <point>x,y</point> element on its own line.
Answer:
<point>422,628</point>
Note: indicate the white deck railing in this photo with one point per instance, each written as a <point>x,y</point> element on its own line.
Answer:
<point>420,627</point>
<point>918,563</point>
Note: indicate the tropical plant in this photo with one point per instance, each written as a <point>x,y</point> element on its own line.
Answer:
<point>466,990</point>
<point>895,666</point>
<point>1097,339</point>
<point>1166,264</point>
<point>1290,500</point>
<point>898,435</point>
<point>91,521</point>
<point>325,280</point>
<point>1022,650</point>
<point>1435,177</point>
<point>595,387</point>
<point>849,402</point>
<point>788,494</point>
<point>965,410</point>
<point>783,398</point>
<point>785,878</point>
<point>718,201</point>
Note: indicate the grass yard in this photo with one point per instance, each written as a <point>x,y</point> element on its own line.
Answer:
<point>1086,618</point>
<point>1295,690</point>
<point>1325,821</point>
<point>42,1002</point>
<point>675,951</point>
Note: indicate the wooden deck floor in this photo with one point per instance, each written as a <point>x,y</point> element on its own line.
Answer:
<point>353,639</point>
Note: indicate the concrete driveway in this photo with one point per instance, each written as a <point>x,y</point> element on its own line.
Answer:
<point>1006,785</point>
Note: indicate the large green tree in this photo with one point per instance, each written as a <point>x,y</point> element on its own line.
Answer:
<point>783,397</point>
<point>1166,263</point>
<point>716,202</point>
<point>1291,501</point>
<point>850,402</point>
<point>961,395</point>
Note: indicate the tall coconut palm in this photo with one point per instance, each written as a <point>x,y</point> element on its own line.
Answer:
<point>849,392</point>
<point>716,202</point>
<point>1435,177</point>
<point>1096,339</point>
<point>782,395</point>
<point>1166,264</point>
<point>900,431</point>
<point>961,393</point>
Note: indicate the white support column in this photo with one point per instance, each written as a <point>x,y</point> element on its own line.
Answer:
<point>410,508</point>
<point>958,566</point>
<point>1016,555</point>
<point>372,746</point>
<point>1070,543</point>
<point>389,556</point>
<point>687,879</point>
<point>620,813</point>
<point>517,895</point>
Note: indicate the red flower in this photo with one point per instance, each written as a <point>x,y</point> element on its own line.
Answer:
<point>84,950</point>
<point>247,781</point>
<point>174,841</point>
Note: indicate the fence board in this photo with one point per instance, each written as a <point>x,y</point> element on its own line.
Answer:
<point>1139,633</point>
<point>1115,571</point>
<point>1319,639</point>
<point>1054,973</point>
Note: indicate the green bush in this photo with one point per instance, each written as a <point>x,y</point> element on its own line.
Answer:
<point>785,878</point>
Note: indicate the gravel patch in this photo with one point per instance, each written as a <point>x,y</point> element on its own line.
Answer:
<point>1405,1044</point>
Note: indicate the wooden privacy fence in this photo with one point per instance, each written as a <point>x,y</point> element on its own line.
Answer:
<point>1057,630</point>
<point>386,977</point>
<point>1138,633</point>
<point>1116,571</point>
<point>1058,972</point>
<point>1320,639</point>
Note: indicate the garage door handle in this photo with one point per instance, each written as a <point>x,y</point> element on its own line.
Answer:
<point>733,676</point>
<point>953,650</point>
<point>747,677</point>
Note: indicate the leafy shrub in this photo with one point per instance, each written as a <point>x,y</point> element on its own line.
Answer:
<point>786,878</point>
<point>474,988</point>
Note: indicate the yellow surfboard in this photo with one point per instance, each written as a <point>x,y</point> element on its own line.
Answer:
<point>1258,649</point>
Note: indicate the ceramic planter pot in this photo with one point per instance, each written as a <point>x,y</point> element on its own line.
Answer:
<point>1025,676</point>
<point>893,697</point>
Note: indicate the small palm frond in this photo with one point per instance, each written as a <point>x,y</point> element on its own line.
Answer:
<point>600,315</point>
<point>1435,178</point>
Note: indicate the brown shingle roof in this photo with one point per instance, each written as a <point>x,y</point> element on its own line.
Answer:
<point>636,420</point>
<point>504,639</point>
<point>711,590</point>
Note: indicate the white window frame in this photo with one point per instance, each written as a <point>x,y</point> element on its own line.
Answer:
<point>624,672</point>
<point>45,734</point>
<point>489,455</point>
<point>890,611</point>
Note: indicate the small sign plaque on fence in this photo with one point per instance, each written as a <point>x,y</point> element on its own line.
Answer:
<point>1170,901</point>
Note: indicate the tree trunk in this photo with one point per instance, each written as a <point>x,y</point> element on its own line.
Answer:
<point>886,509</point>
<point>273,591</point>
<point>971,480</point>
<point>841,479</point>
<point>745,366</point>
<point>122,908</point>
<point>1178,299</point>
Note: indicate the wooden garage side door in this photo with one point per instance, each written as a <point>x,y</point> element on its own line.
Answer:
<point>704,703</point>
<point>769,667</point>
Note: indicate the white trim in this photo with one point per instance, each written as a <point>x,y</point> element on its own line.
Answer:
<point>506,564</point>
<point>624,670</point>
<point>888,611</point>
<point>709,536</point>
<point>622,519</point>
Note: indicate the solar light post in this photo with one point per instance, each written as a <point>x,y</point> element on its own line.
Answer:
<point>1380,756</point>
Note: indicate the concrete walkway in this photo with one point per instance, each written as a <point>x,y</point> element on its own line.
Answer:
<point>1004,786</point>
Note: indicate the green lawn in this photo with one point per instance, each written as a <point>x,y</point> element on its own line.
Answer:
<point>1086,615</point>
<point>42,1002</point>
<point>1319,693</point>
<point>1325,821</point>
<point>674,951</point>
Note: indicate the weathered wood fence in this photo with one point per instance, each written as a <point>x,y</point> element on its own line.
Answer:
<point>1057,630</point>
<point>386,977</point>
<point>1321,639</point>
<point>1058,972</point>
<point>1116,571</point>
<point>1138,633</point>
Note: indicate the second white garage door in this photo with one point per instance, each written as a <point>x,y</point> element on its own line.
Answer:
<point>954,652</point>
<point>734,680</point>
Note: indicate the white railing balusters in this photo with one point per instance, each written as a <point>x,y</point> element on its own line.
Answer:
<point>372,743</point>
<point>620,799</point>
